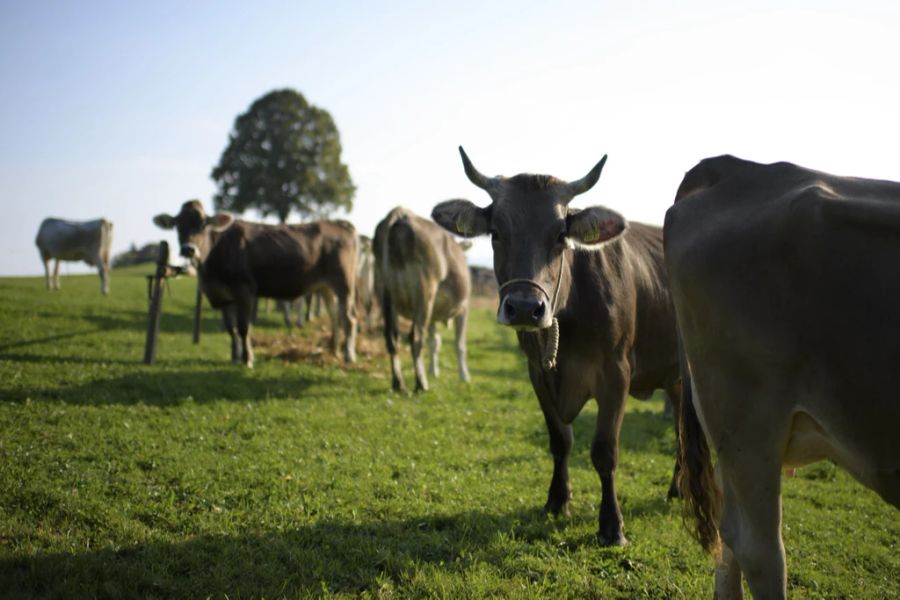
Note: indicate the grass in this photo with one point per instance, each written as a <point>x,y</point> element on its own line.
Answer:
<point>193,478</point>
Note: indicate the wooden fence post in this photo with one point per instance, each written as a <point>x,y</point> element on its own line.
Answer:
<point>162,265</point>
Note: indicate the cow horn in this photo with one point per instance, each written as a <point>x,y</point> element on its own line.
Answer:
<point>587,182</point>
<point>485,183</point>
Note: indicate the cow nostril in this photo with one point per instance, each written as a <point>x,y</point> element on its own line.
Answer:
<point>509,309</point>
<point>539,311</point>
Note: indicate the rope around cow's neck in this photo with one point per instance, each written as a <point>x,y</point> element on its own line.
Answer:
<point>551,345</point>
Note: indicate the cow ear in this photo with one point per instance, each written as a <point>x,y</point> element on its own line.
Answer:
<point>220,221</point>
<point>462,218</point>
<point>164,221</point>
<point>594,225</point>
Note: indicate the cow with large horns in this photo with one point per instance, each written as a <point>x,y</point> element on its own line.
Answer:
<point>588,297</point>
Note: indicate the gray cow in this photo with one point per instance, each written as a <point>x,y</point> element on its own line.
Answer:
<point>87,241</point>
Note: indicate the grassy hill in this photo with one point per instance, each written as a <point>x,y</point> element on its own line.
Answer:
<point>303,477</point>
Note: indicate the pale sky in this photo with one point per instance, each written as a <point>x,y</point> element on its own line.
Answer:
<point>121,109</point>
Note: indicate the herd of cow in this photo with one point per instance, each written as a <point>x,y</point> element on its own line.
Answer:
<point>765,308</point>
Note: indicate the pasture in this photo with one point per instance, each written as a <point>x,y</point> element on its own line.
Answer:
<point>305,478</point>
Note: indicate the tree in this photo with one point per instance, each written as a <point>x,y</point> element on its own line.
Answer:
<point>283,155</point>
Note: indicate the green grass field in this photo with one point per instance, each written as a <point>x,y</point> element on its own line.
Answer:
<point>193,478</point>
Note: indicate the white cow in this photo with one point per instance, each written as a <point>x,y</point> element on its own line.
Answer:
<point>88,241</point>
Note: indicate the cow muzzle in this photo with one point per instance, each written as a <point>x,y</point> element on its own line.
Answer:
<point>190,251</point>
<point>523,309</point>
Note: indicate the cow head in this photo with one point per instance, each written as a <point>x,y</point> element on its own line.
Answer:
<point>531,228</point>
<point>193,226</point>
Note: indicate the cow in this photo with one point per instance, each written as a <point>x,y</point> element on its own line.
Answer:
<point>785,286</point>
<point>238,261</point>
<point>420,273</point>
<point>88,241</point>
<point>588,297</point>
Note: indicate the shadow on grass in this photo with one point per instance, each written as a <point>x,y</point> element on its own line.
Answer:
<point>166,388</point>
<point>328,557</point>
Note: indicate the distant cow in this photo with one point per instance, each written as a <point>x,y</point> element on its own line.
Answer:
<point>421,274</point>
<point>88,241</point>
<point>238,261</point>
<point>786,287</point>
<point>589,300</point>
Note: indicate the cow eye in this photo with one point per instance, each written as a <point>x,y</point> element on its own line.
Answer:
<point>561,238</point>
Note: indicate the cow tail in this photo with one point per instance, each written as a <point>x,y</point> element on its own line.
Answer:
<point>696,479</point>
<point>390,323</point>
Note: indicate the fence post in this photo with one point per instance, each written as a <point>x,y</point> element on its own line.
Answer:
<point>162,265</point>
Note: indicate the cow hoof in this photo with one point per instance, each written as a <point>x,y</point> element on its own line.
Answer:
<point>557,509</point>
<point>607,540</point>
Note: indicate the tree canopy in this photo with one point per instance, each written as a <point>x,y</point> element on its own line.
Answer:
<point>283,155</point>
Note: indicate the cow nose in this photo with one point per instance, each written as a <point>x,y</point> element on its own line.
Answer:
<point>523,311</point>
<point>188,251</point>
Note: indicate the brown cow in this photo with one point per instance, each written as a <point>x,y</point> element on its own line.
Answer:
<point>786,286</point>
<point>589,299</point>
<point>238,261</point>
<point>421,274</point>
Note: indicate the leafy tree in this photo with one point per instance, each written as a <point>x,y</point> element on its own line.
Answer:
<point>283,155</point>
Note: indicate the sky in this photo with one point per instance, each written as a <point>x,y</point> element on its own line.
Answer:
<point>121,109</point>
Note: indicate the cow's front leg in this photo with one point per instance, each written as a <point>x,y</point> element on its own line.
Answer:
<point>605,453</point>
<point>244,305</point>
<point>229,318</point>
<point>561,438</point>
<point>347,316</point>
<point>56,274</point>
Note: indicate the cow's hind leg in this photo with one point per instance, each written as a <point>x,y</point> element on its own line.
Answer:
<point>605,454</point>
<point>751,520</point>
<point>461,323</point>
<point>56,275</point>
<point>421,321</point>
<point>347,315</point>
<point>104,279</point>
<point>673,400</point>
<point>229,320</point>
<point>391,340</point>
<point>434,348</point>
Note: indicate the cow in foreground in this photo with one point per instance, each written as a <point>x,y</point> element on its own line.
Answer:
<point>420,273</point>
<point>238,261</point>
<point>786,287</point>
<point>88,241</point>
<point>588,297</point>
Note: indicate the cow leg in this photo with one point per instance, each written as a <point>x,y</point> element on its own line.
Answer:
<point>104,279</point>
<point>417,338</point>
<point>605,454</point>
<point>434,347</point>
<point>56,275</point>
<point>285,307</point>
<point>673,401</point>
<point>244,307</point>
<point>751,520</point>
<point>46,261</point>
<point>229,319</point>
<point>460,325</point>
<point>561,440</point>
<point>391,340</point>
<point>347,314</point>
